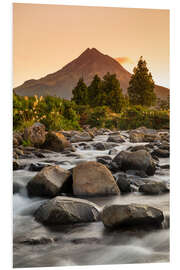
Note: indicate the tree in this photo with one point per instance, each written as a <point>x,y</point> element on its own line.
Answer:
<point>95,91</point>
<point>141,86</point>
<point>112,93</point>
<point>80,93</point>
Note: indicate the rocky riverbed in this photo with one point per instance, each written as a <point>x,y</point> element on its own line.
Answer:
<point>98,197</point>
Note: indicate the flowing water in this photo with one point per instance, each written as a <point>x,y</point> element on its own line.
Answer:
<point>87,243</point>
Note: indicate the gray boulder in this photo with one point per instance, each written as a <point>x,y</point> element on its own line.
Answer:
<point>116,138</point>
<point>66,210</point>
<point>139,160</point>
<point>49,182</point>
<point>81,137</point>
<point>153,188</point>
<point>132,215</point>
<point>57,142</point>
<point>35,134</point>
<point>93,179</point>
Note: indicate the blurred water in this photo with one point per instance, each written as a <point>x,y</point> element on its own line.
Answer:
<point>86,244</point>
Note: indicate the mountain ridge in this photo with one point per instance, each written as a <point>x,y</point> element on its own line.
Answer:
<point>86,65</point>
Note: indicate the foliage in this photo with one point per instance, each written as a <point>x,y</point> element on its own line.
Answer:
<point>54,112</point>
<point>80,93</point>
<point>141,86</point>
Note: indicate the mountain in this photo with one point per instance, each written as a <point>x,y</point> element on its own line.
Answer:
<point>89,63</point>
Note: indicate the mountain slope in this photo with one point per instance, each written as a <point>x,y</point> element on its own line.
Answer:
<point>89,63</point>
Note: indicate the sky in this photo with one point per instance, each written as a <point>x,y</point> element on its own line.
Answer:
<point>47,37</point>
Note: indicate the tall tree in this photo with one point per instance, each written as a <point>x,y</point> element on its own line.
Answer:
<point>95,91</point>
<point>141,85</point>
<point>80,93</point>
<point>112,93</point>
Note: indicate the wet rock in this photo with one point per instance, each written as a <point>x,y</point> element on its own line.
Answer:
<point>93,178</point>
<point>143,134</point>
<point>164,166</point>
<point>17,165</point>
<point>66,210</point>
<point>100,146</point>
<point>160,153</point>
<point>17,139</point>
<point>132,215</point>
<point>137,148</point>
<point>39,155</point>
<point>116,138</point>
<point>153,188</point>
<point>105,159</point>
<point>36,167</point>
<point>113,152</point>
<point>81,137</point>
<point>123,183</point>
<point>56,142</point>
<point>35,134</point>
<point>38,240</point>
<point>48,182</point>
<point>140,160</point>
<point>139,173</point>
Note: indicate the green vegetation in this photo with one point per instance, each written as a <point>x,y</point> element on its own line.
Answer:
<point>106,92</point>
<point>141,86</point>
<point>55,113</point>
<point>101,104</point>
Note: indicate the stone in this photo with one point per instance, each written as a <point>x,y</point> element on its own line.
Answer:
<point>65,210</point>
<point>153,188</point>
<point>49,182</point>
<point>37,167</point>
<point>38,240</point>
<point>93,179</point>
<point>143,134</point>
<point>55,141</point>
<point>139,160</point>
<point>161,153</point>
<point>131,215</point>
<point>35,134</point>
<point>123,183</point>
<point>81,137</point>
<point>116,138</point>
<point>17,139</point>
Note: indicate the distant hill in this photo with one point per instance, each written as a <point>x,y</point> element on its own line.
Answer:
<point>89,63</point>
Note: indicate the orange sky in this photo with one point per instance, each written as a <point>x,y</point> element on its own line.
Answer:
<point>47,37</point>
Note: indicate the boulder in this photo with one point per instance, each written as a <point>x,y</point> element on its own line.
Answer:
<point>153,188</point>
<point>35,134</point>
<point>113,151</point>
<point>140,160</point>
<point>37,167</point>
<point>17,165</point>
<point>143,134</point>
<point>49,182</point>
<point>132,215</point>
<point>160,153</point>
<point>81,137</point>
<point>123,183</point>
<point>65,210</point>
<point>117,138</point>
<point>17,139</point>
<point>93,179</point>
<point>56,142</point>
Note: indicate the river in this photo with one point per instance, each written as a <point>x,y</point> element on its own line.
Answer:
<point>87,243</point>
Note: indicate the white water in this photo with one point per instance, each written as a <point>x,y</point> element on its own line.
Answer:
<point>94,244</point>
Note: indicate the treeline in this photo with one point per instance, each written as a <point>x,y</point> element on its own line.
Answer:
<point>101,104</point>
